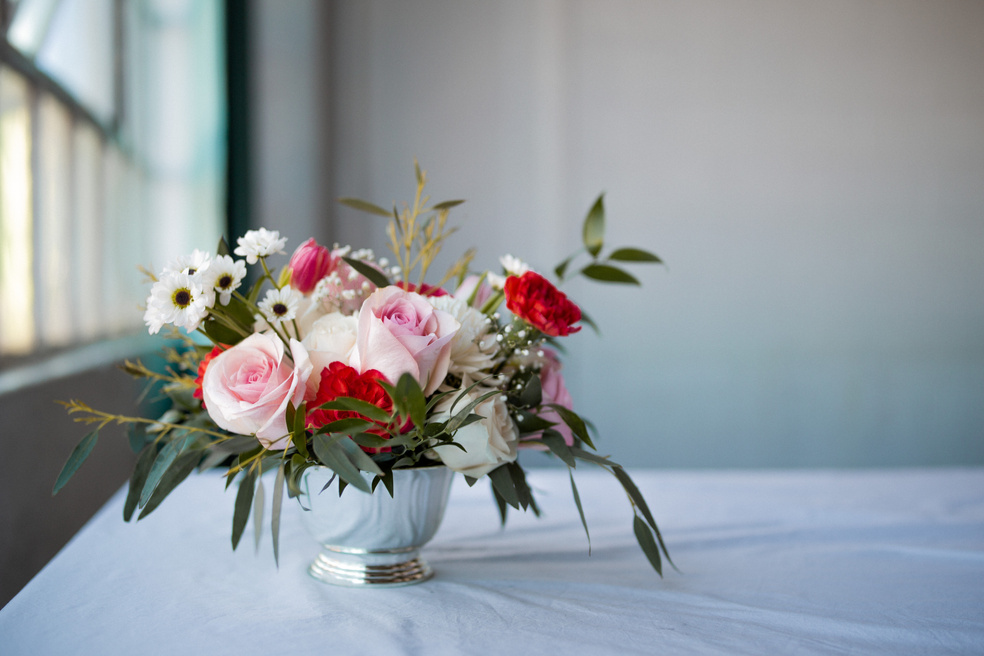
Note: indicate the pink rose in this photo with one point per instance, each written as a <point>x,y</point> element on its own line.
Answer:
<point>400,332</point>
<point>309,264</point>
<point>247,387</point>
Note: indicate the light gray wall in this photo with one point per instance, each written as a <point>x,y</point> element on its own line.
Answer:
<point>812,173</point>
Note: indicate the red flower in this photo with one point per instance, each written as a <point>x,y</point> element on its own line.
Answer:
<point>534,299</point>
<point>339,379</point>
<point>309,264</point>
<point>202,366</point>
<point>424,289</point>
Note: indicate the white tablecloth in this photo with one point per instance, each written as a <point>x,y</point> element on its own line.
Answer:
<point>873,562</point>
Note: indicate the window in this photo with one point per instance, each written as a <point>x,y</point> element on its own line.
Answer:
<point>112,156</point>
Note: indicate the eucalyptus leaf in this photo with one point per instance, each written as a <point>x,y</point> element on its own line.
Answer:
<point>594,227</point>
<point>555,442</point>
<point>364,206</point>
<point>259,499</point>
<point>527,422</point>
<point>648,544</point>
<point>175,474</point>
<point>580,509</point>
<point>333,455</point>
<point>523,492</point>
<point>223,247</point>
<point>167,456</point>
<point>574,421</point>
<point>633,255</point>
<point>587,456</point>
<point>75,460</point>
<point>358,457</point>
<point>244,500</point>
<point>501,503</point>
<point>502,483</point>
<point>278,500</point>
<point>630,489</point>
<point>411,397</point>
<point>364,408</point>
<point>608,273</point>
<point>138,478</point>
<point>374,275</point>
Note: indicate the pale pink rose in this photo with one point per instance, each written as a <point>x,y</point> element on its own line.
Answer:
<point>554,391</point>
<point>400,332</point>
<point>309,264</point>
<point>246,388</point>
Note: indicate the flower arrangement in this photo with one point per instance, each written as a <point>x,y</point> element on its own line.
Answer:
<point>359,365</point>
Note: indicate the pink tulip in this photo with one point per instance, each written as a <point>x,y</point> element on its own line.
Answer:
<point>309,264</point>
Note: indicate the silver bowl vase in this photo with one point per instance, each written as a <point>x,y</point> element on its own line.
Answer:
<point>374,540</point>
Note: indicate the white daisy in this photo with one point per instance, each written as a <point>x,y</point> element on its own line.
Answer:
<point>513,266</point>
<point>279,305</point>
<point>224,276</point>
<point>193,264</point>
<point>176,298</point>
<point>260,243</point>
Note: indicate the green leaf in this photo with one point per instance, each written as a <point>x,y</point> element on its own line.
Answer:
<point>359,458</point>
<point>633,255</point>
<point>499,502</point>
<point>531,394</point>
<point>418,173</point>
<point>175,474</point>
<point>448,204</point>
<point>523,492</point>
<point>502,483</point>
<point>372,274</point>
<point>561,268</point>
<point>244,500</point>
<point>370,440</point>
<point>364,408</point>
<point>333,455</point>
<point>587,456</point>
<point>636,496</point>
<point>167,456</point>
<point>555,442</point>
<point>219,332</point>
<point>138,478</point>
<point>278,499</point>
<point>607,273</point>
<point>258,502</point>
<point>580,509</point>
<point>408,399</point>
<point>461,416</point>
<point>527,422</point>
<point>364,206</point>
<point>299,431</point>
<point>75,460</point>
<point>594,227</point>
<point>648,544</point>
<point>223,247</point>
<point>575,422</point>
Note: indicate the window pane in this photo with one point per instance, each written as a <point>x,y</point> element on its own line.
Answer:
<point>54,217</point>
<point>78,52</point>
<point>88,237</point>
<point>16,229</point>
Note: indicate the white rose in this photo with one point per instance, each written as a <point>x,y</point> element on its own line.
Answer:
<point>488,443</point>
<point>329,339</point>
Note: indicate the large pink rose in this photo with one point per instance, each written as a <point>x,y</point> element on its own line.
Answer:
<point>400,332</point>
<point>246,388</point>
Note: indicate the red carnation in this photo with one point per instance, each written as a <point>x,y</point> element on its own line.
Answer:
<point>339,379</point>
<point>202,366</point>
<point>534,299</point>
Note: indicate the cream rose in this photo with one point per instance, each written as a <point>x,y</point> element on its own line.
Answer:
<point>488,443</point>
<point>400,332</point>
<point>246,388</point>
<point>329,339</point>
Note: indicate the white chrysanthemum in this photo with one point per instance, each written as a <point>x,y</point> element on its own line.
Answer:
<point>194,264</point>
<point>473,346</point>
<point>513,266</point>
<point>260,243</point>
<point>279,305</point>
<point>176,298</point>
<point>224,275</point>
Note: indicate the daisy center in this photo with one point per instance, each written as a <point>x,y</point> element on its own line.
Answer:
<point>225,281</point>
<point>181,298</point>
<point>279,309</point>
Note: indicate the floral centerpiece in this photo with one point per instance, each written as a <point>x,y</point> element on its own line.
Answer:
<point>360,365</point>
